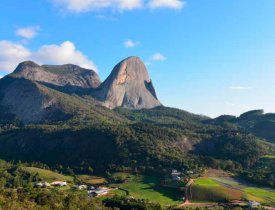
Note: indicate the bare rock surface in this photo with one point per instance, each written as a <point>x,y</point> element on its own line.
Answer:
<point>35,93</point>
<point>29,101</point>
<point>128,86</point>
<point>59,75</point>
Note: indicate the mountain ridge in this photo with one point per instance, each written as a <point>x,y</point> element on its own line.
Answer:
<point>38,100</point>
<point>61,75</point>
<point>49,123</point>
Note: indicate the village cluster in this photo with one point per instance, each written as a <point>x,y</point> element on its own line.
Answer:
<point>91,190</point>
<point>176,179</point>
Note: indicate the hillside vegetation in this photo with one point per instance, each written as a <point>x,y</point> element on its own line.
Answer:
<point>167,141</point>
<point>47,175</point>
<point>72,129</point>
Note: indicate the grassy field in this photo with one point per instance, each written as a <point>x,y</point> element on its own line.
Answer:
<point>48,175</point>
<point>264,196</point>
<point>250,192</point>
<point>206,182</point>
<point>148,187</point>
<point>92,180</point>
<point>206,189</point>
<point>269,156</point>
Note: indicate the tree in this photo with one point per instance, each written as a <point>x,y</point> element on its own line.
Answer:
<point>3,182</point>
<point>16,182</point>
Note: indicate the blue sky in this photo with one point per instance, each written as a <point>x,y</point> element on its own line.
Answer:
<point>208,57</point>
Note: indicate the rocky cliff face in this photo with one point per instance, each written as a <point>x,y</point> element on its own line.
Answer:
<point>30,101</point>
<point>35,93</point>
<point>128,86</point>
<point>64,75</point>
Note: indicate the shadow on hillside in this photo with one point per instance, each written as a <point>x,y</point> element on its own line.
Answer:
<point>69,89</point>
<point>155,184</point>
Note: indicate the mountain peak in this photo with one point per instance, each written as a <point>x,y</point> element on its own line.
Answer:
<point>131,68</point>
<point>68,75</point>
<point>26,65</point>
<point>129,86</point>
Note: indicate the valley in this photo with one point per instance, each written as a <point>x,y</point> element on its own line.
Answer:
<point>115,137</point>
<point>137,105</point>
<point>213,189</point>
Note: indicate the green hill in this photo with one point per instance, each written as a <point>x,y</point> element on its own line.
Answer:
<point>47,175</point>
<point>255,122</point>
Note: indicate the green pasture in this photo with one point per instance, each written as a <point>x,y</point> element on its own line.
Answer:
<point>148,187</point>
<point>48,175</point>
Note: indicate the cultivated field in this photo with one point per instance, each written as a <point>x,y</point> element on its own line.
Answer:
<point>148,187</point>
<point>208,190</point>
<point>227,188</point>
<point>91,180</point>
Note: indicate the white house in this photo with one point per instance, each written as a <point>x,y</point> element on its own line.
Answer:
<point>176,175</point>
<point>253,204</point>
<point>59,184</point>
<point>39,184</point>
<point>81,187</point>
<point>98,192</point>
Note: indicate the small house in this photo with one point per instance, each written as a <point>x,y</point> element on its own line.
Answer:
<point>39,184</point>
<point>176,175</point>
<point>98,192</point>
<point>82,187</point>
<point>59,184</point>
<point>253,204</point>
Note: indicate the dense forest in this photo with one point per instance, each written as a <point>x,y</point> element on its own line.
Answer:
<point>149,140</point>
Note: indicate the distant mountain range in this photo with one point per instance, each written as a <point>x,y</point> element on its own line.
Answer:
<point>256,122</point>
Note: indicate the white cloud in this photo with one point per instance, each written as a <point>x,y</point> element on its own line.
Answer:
<point>1,76</point>
<point>78,6</point>
<point>158,57</point>
<point>240,88</point>
<point>62,54</point>
<point>28,32</point>
<point>11,54</point>
<point>130,4</point>
<point>130,43</point>
<point>174,4</point>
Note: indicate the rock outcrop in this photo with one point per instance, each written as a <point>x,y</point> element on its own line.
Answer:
<point>30,102</point>
<point>128,86</point>
<point>64,75</point>
<point>34,93</point>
